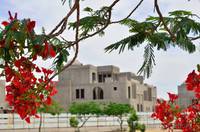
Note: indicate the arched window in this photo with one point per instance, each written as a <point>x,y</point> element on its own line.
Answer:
<point>98,93</point>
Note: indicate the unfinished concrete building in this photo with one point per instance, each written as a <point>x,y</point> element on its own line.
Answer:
<point>104,84</point>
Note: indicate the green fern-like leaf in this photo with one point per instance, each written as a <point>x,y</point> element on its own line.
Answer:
<point>61,58</point>
<point>160,40</point>
<point>149,61</point>
<point>180,13</point>
<point>130,42</point>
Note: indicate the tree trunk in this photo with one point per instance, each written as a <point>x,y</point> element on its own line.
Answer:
<point>121,122</point>
<point>40,125</point>
<point>86,119</point>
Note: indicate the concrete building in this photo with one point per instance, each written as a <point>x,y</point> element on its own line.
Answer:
<point>105,84</point>
<point>185,97</point>
<point>2,95</point>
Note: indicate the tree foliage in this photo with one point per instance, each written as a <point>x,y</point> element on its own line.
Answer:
<point>21,46</point>
<point>83,111</point>
<point>153,34</point>
<point>84,108</point>
<point>73,121</point>
<point>118,110</point>
<point>54,109</point>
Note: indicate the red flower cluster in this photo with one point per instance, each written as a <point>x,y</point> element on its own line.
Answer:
<point>11,18</point>
<point>188,119</point>
<point>165,112</point>
<point>24,91</point>
<point>172,97</point>
<point>193,83</point>
<point>172,116</point>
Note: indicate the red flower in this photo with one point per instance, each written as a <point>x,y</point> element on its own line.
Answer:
<point>10,99</point>
<point>25,93</point>
<point>172,97</point>
<point>45,50</point>
<point>48,101</point>
<point>48,51</point>
<point>30,26</point>
<point>37,116</point>
<point>185,119</point>
<point>38,69</point>
<point>27,119</point>
<point>51,51</point>
<point>192,81</point>
<point>53,91</point>
<point>5,23</point>
<point>17,63</point>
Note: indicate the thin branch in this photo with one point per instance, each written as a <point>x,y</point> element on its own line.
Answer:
<point>129,13</point>
<point>63,22</point>
<point>100,30</point>
<point>194,38</point>
<point>2,74</point>
<point>162,20</point>
<point>84,122</point>
<point>63,1</point>
<point>77,40</point>
<point>76,44</point>
<point>113,4</point>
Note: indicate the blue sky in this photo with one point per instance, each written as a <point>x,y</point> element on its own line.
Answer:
<point>171,67</point>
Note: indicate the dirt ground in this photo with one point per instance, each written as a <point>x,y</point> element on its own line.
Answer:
<point>85,129</point>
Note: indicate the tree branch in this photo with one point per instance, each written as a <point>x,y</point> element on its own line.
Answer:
<point>162,20</point>
<point>129,13</point>
<point>77,39</point>
<point>63,22</point>
<point>100,30</point>
<point>84,122</point>
<point>194,38</point>
<point>76,44</point>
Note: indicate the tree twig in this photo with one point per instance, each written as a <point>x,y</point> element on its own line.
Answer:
<point>84,122</point>
<point>76,44</point>
<point>162,20</point>
<point>100,30</point>
<point>129,13</point>
<point>77,39</point>
<point>194,38</point>
<point>63,22</point>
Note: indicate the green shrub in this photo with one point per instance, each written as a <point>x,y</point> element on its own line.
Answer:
<point>141,127</point>
<point>73,121</point>
<point>132,121</point>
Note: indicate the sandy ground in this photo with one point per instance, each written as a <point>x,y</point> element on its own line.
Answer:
<point>86,129</point>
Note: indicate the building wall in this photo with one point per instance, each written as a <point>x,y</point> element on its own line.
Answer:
<point>64,95</point>
<point>2,94</point>
<point>113,85</point>
<point>185,97</point>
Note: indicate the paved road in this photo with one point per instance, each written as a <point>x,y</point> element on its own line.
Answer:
<point>84,129</point>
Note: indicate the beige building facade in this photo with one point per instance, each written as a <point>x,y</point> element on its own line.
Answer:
<point>185,97</point>
<point>104,84</point>
<point>3,103</point>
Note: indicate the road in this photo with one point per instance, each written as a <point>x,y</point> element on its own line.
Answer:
<point>84,129</point>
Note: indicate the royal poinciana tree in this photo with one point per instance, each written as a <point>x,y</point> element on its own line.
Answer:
<point>172,116</point>
<point>20,46</point>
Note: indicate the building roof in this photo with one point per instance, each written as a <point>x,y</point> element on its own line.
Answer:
<point>77,62</point>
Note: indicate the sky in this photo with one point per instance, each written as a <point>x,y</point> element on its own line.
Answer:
<point>171,67</point>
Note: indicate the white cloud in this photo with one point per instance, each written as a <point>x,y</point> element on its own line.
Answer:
<point>172,66</point>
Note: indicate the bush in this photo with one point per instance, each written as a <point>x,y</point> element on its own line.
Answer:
<point>132,121</point>
<point>73,121</point>
<point>141,127</point>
